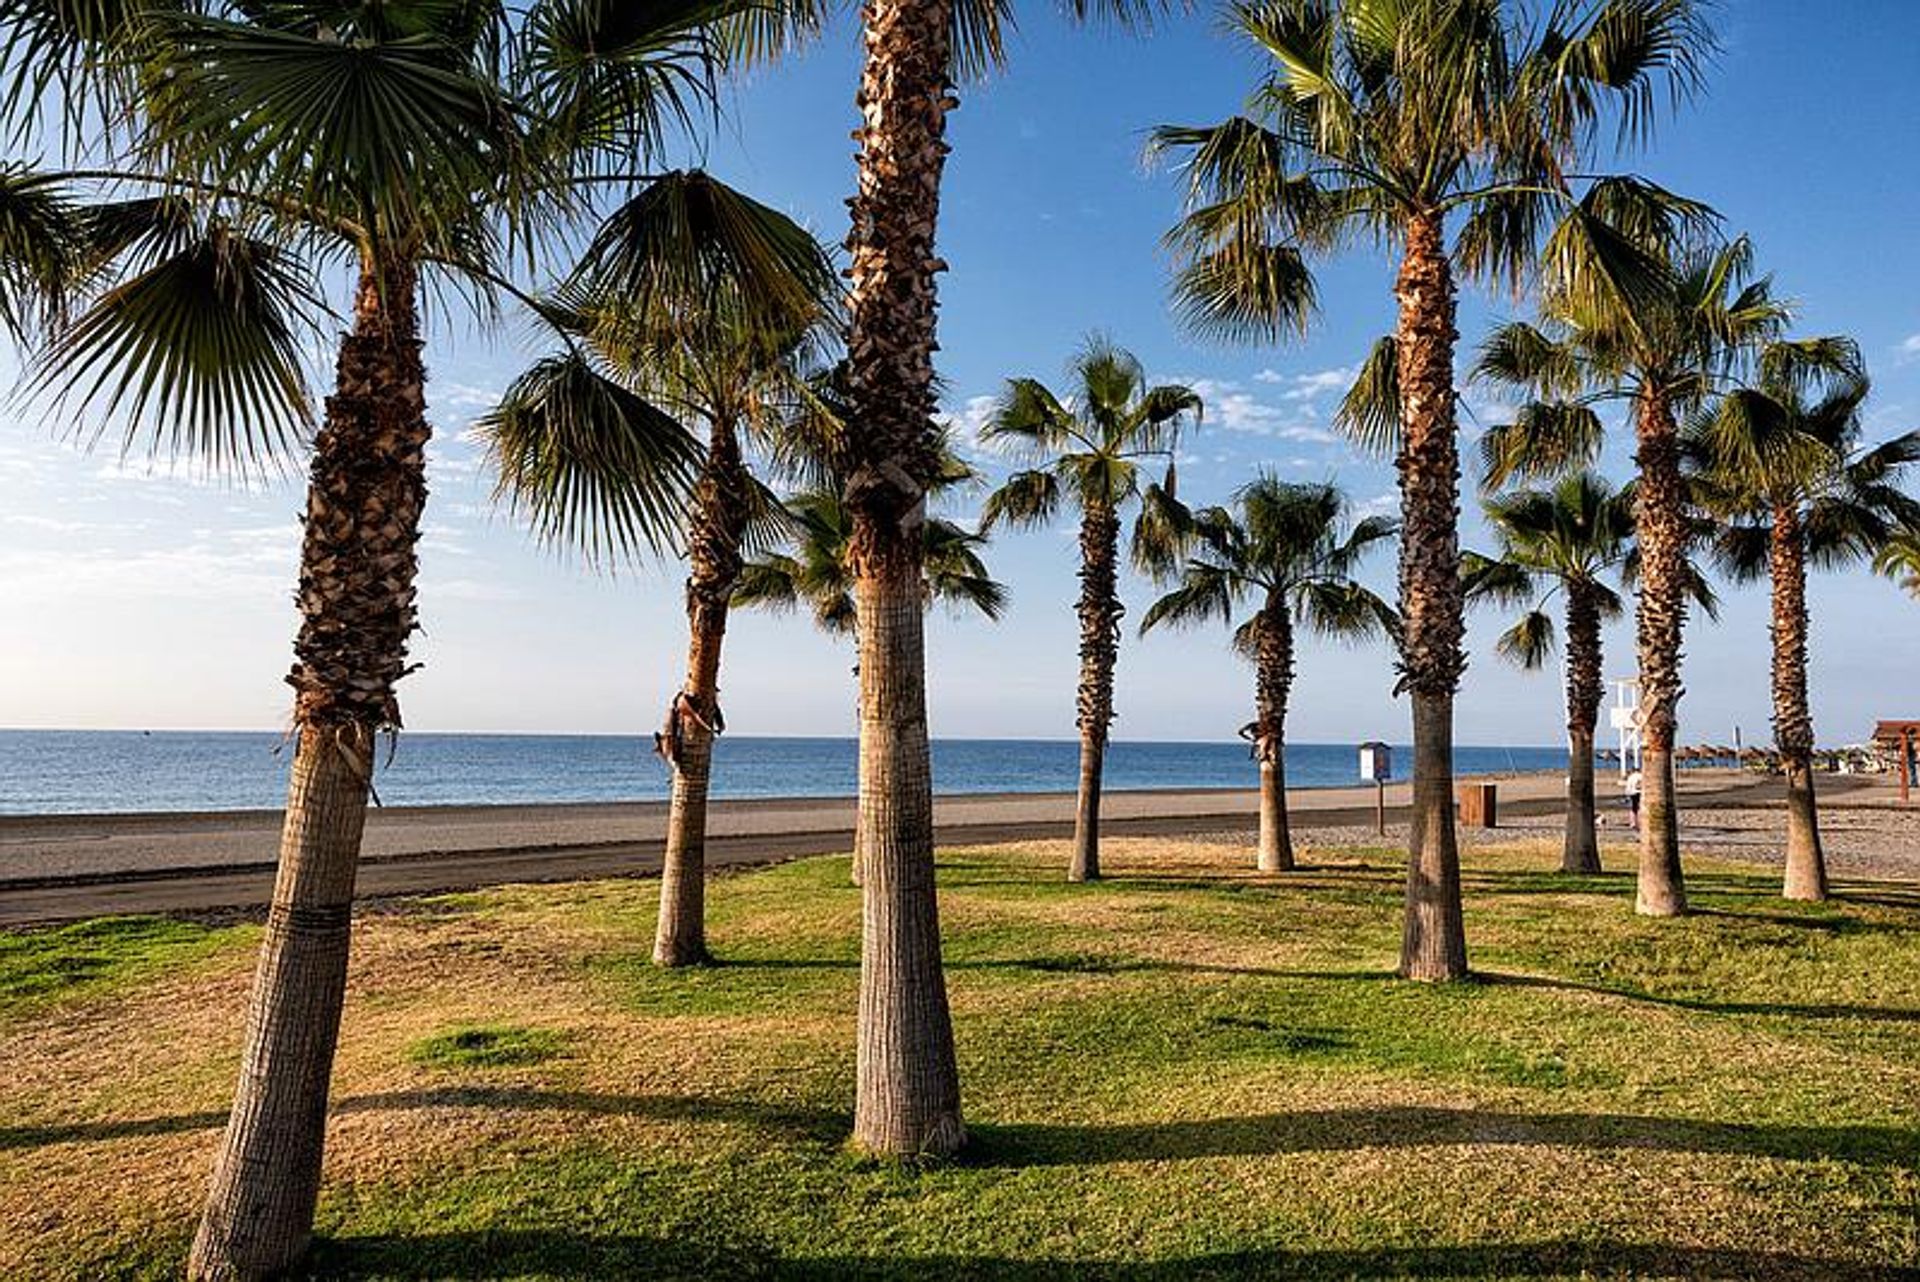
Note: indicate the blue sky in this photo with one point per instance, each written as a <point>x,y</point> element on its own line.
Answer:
<point>145,597</point>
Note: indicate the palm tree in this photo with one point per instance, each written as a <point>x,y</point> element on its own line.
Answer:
<point>1564,540</point>
<point>1089,452</point>
<point>816,569</point>
<point>1783,463</point>
<point>1665,354</point>
<point>907,1099</point>
<point>816,573</point>
<point>1281,547</point>
<point>1379,120</point>
<point>701,354</point>
<point>402,138</point>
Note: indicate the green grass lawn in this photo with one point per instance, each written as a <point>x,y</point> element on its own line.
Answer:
<point>1186,1071</point>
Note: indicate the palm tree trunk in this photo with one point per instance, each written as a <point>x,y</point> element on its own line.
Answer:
<point>1585,690</point>
<point>1792,711</point>
<point>1273,678</point>
<point>907,1095</point>
<point>1660,527</point>
<point>365,493</point>
<point>1100,612</point>
<point>907,1100</point>
<point>1434,944</point>
<point>713,555</point>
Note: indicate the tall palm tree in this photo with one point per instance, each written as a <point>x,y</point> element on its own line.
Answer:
<point>1665,355</point>
<point>1380,120</point>
<point>915,53</point>
<point>405,138</point>
<point>1089,451</point>
<point>1783,463</point>
<point>698,354</point>
<point>1565,540</point>
<point>1282,547</point>
<point>818,569</point>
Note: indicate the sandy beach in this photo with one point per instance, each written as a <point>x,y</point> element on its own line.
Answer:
<point>68,866</point>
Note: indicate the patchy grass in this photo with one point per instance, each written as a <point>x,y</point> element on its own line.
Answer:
<point>93,958</point>
<point>488,1046</point>
<point>1186,1071</point>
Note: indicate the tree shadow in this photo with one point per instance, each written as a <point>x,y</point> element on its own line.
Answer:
<point>799,1123</point>
<point>822,1125</point>
<point>483,1254</point>
<point>1024,1145</point>
<point>1816,1010</point>
<point>1066,963</point>
<point>13,1137</point>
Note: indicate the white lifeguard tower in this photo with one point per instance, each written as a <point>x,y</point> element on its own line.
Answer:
<point>1624,716</point>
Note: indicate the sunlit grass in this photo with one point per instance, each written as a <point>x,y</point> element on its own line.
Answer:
<point>1188,1070</point>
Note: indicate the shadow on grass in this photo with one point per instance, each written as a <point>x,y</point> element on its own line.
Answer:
<point>1818,1010</point>
<point>802,1124</point>
<point>1021,1145</point>
<point>485,1254</point>
<point>1420,1126</point>
<point>1063,963</point>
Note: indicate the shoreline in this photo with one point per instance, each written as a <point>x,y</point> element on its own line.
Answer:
<point>788,800</point>
<point>66,867</point>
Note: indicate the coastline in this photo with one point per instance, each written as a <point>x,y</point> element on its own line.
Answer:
<point>64,867</point>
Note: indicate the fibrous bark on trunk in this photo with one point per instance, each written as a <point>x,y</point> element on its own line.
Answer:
<point>907,1098</point>
<point>1806,876</point>
<point>1273,679</point>
<point>1585,690</point>
<point>1660,528</point>
<point>1434,945</point>
<point>713,556</point>
<point>365,494</point>
<point>1100,613</point>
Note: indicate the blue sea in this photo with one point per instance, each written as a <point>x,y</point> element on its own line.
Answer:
<point>99,771</point>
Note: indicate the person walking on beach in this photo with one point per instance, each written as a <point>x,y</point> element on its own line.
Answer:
<point>1631,786</point>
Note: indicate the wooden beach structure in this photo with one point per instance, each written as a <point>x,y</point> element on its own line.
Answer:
<point>1898,739</point>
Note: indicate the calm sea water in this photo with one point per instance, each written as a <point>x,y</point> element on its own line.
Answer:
<point>61,771</point>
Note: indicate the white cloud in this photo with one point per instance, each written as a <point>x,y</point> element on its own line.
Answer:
<point>970,419</point>
<point>1310,387</point>
<point>1230,406</point>
<point>1910,345</point>
<point>1387,504</point>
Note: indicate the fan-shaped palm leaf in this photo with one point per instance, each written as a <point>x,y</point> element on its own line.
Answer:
<point>199,352</point>
<point>589,462</point>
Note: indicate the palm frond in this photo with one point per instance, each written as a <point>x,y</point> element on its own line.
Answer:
<point>41,250</point>
<point>1529,642</point>
<point>1525,358</point>
<point>1345,611</point>
<point>403,136</point>
<point>1162,533</point>
<point>1204,593</point>
<point>588,462</point>
<point>687,238</point>
<point>1026,500</point>
<point>1545,439</point>
<point>1497,580</point>
<point>617,79</point>
<point>955,573</point>
<point>198,352</point>
<point>1245,291</point>
<point>1369,414</point>
<point>769,582</point>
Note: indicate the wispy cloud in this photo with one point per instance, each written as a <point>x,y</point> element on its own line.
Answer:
<point>1233,407</point>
